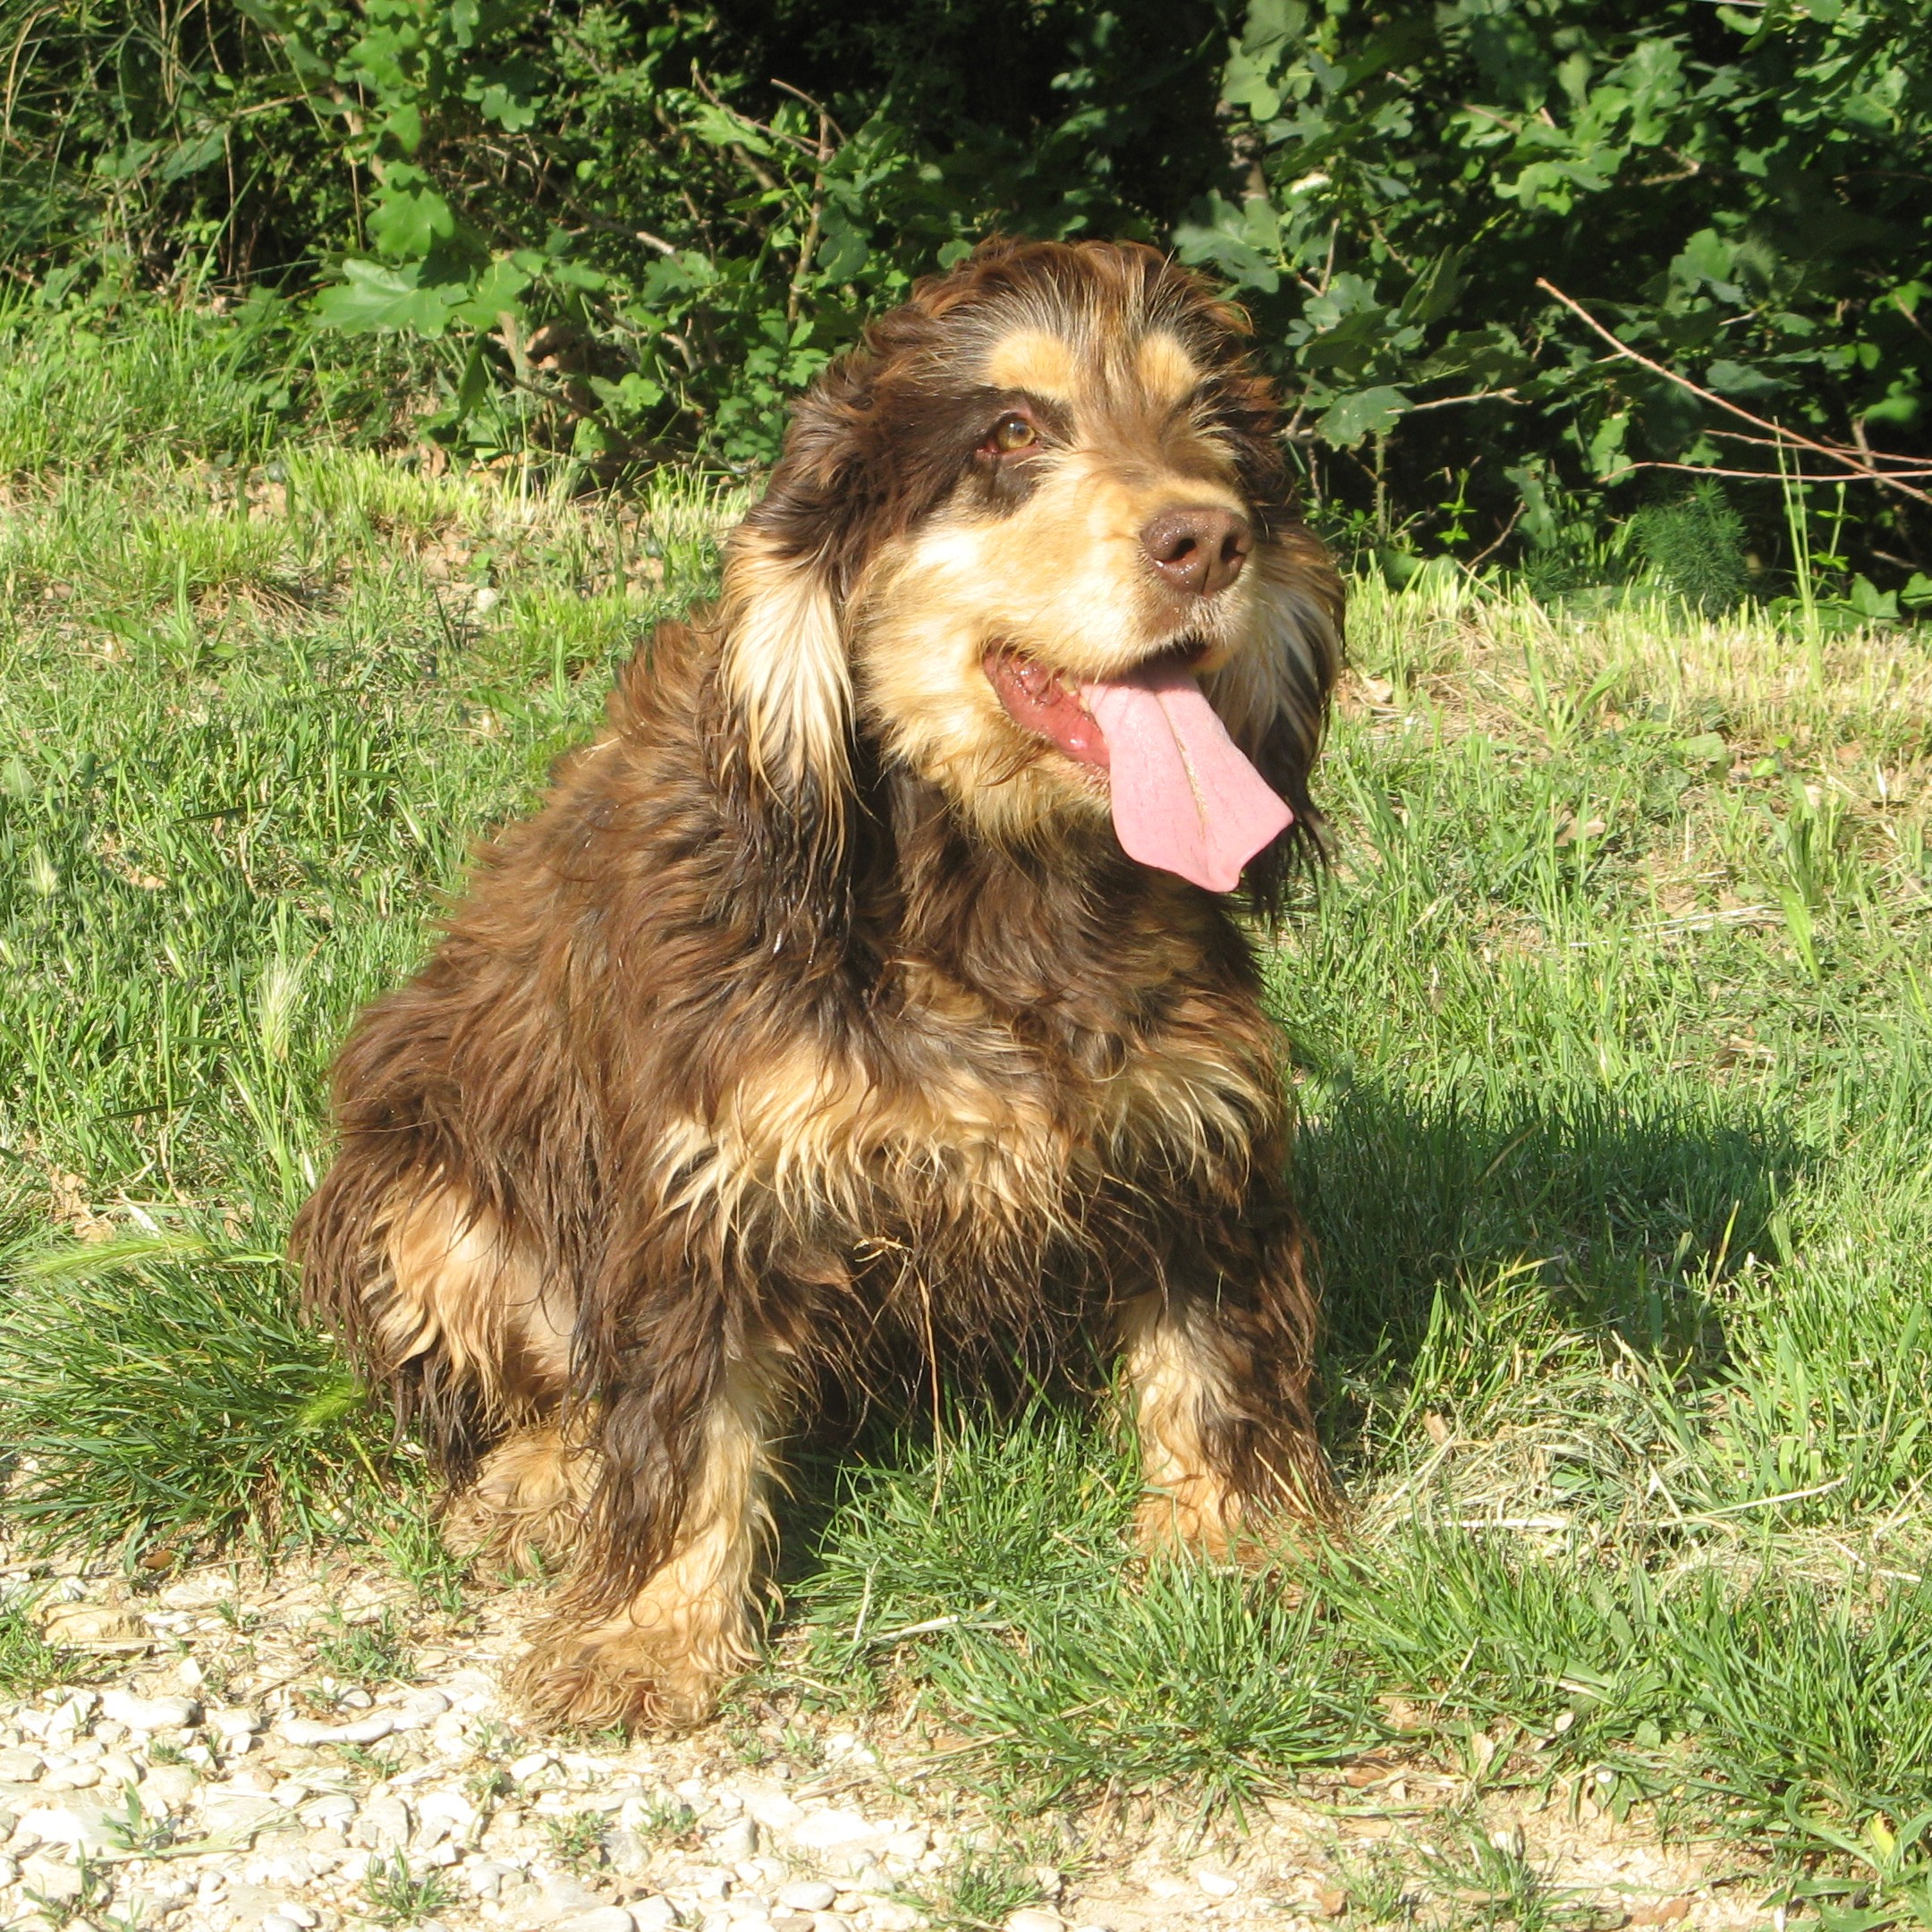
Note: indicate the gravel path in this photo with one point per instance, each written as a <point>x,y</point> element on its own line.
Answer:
<point>212,1775</point>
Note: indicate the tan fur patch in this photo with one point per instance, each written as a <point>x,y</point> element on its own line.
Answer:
<point>1165,370</point>
<point>1088,604</point>
<point>527,1504</point>
<point>784,665</point>
<point>811,1130</point>
<point>661,1658</point>
<point>1186,1503</point>
<point>1036,362</point>
<point>456,1280</point>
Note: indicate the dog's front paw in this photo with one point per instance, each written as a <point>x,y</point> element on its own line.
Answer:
<point>1195,1514</point>
<point>524,1510</point>
<point>579,1679</point>
<point>643,1668</point>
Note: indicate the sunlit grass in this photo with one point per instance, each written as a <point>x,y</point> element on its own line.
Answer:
<point>1614,1058</point>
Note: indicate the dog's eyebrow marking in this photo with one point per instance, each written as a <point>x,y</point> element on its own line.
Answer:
<point>1166,370</point>
<point>1033,361</point>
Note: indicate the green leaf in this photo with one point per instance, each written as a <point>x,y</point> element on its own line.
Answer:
<point>720,128</point>
<point>371,297</point>
<point>494,294</point>
<point>1436,290</point>
<point>1363,412</point>
<point>407,224</point>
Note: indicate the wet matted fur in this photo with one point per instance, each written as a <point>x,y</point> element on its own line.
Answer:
<point>819,1013</point>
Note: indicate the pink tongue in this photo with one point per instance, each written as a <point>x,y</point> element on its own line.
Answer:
<point>1184,798</point>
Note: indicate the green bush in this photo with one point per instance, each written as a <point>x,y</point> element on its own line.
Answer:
<point>1695,547</point>
<point>636,228</point>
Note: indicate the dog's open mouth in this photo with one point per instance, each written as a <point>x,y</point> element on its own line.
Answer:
<point>1183,797</point>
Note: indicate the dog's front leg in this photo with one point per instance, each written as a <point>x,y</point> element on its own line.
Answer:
<point>659,1610</point>
<point>1219,1367</point>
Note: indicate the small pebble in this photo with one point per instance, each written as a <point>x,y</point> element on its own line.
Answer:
<point>597,1919</point>
<point>807,1895</point>
<point>151,1713</point>
<point>737,1842</point>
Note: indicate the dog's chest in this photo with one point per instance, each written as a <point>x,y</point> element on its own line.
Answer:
<point>954,1111</point>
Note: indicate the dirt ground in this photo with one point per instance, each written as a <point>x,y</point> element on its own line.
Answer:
<point>208,1771</point>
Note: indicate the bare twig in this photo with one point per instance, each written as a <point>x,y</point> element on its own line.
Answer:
<point>1483,556</point>
<point>1789,439</point>
<point>1475,396</point>
<point>818,107</point>
<point>809,247</point>
<point>1759,476</point>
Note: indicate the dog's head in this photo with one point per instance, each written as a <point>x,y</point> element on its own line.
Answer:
<point>1015,539</point>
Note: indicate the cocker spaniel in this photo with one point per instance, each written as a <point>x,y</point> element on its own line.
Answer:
<point>873,981</point>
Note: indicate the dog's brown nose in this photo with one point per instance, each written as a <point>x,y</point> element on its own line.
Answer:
<point>1198,549</point>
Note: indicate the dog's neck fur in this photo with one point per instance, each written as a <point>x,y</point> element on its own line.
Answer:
<point>1077,941</point>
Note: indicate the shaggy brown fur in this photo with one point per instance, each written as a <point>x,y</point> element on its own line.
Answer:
<point>819,1008</point>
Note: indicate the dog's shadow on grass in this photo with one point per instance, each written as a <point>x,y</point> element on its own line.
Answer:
<point>1445,1235</point>
<point>1584,1213</point>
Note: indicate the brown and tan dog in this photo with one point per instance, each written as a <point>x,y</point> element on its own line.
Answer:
<point>871,978</point>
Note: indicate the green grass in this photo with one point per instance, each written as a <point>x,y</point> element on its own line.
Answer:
<point>1614,1056</point>
<point>28,1661</point>
<point>398,1896</point>
<point>365,1655</point>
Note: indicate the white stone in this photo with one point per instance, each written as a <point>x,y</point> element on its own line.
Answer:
<point>1216,1885</point>
<point>522,1769</point>
<point>773,1809</point>
<point>71,1777</point>
<point>737,1842</point>
<point>79,1826</point>
<point>596,1918</point>
<point>824,1831</point>
<point>235,1721</point>
<point>238,1811</point>
<point>331,1811</point>
<point>807,1895</point>
<point>167,1788</point>
<point>275,1921</point>
<point>383,1824</point>
<point>444,1814</point>
<point>486,1875</point>
<point>52,1879</point>
<point>420,1709</point>
<point>1032,1919</point>
<point>655,1914</point>
<point>308,1731</point>
<point>151,1713</point>
<point>21,1766</point>
<point>907,1844</point>
<point>450,1733</point>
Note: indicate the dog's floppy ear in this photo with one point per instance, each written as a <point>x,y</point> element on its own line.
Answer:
<point>783,666</point>
<point>786,750</point>
<point>788,567</point>
<point>1273,696</point>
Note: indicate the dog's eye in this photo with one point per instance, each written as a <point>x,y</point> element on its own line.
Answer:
<point>1010,435</point>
